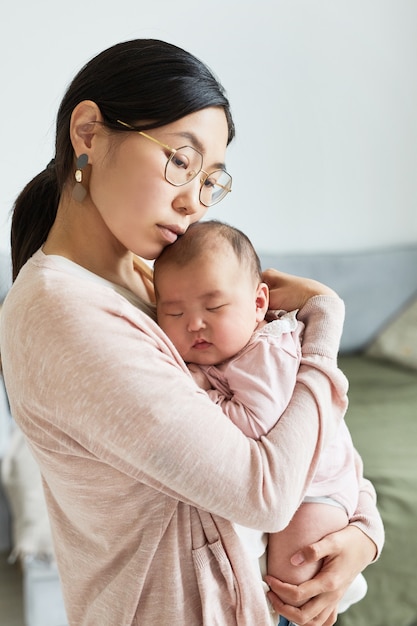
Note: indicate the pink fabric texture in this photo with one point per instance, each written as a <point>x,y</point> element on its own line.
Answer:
<point>254,388</point>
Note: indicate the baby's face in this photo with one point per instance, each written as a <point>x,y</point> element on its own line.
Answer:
<point>209,308</point>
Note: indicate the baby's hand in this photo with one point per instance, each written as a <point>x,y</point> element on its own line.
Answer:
<point>199,376</point>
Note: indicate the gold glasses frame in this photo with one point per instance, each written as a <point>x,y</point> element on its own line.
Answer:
<point>173,151</point>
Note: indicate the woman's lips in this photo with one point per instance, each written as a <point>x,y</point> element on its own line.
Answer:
<point>170,233</point>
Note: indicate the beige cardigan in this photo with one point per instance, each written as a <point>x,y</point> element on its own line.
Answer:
<point>143,474</point>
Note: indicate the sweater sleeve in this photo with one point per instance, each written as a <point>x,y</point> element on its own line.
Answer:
<point>366,516</point>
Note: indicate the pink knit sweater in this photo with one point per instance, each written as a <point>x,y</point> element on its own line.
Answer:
<point>143,474</point>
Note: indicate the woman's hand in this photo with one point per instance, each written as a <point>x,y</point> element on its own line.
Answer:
<point>346,553</point>
<point>292,292</point>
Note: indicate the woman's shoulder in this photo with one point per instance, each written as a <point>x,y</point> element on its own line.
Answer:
<point>54,287</point>
<point>47,281</point>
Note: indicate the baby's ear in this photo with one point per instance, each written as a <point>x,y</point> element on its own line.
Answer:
<point>262,301</point>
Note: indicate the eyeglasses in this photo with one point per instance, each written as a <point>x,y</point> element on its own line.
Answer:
<point>185,164</point>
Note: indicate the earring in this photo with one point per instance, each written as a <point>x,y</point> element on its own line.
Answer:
<point>79,192</point>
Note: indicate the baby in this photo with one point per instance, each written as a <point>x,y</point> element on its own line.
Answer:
<point>213,305</point>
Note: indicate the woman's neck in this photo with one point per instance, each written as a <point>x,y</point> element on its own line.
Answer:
<point>81,238</point>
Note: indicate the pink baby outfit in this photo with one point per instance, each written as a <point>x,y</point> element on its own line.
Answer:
<point>254,387</point>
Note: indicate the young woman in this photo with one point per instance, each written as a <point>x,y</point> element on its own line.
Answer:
<point>135,458</point>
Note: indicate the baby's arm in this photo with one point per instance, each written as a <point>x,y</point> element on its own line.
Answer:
<point>254,388</point>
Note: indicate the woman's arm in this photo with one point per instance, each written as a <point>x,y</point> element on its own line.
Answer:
<point>128,393</point>
<point>345,553</point>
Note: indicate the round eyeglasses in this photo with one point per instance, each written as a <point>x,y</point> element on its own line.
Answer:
<point>185,164</point>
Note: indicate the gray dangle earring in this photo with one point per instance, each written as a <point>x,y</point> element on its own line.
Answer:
<point>79,192</point>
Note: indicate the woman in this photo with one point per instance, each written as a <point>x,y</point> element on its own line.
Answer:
<point>137,463</point>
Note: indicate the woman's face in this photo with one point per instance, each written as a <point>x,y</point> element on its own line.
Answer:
<point>139,208</point>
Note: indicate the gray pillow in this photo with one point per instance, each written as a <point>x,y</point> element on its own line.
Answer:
<point>374,284</point>
<point>398,341</point>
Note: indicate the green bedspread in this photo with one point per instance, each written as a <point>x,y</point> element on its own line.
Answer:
<point>382,418</point>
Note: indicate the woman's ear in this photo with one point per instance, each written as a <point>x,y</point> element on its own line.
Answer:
<point>262,301</point>
<point>83,127</point>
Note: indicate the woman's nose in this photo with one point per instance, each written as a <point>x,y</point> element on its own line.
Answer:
<point>188,200</point>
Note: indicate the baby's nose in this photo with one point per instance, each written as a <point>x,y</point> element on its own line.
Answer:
<point>195,323</point>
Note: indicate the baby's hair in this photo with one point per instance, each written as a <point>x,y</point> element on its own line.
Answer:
<point>203,236</point>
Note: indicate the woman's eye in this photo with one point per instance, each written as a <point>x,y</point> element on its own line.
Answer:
<point>209,182</point>
<point>181,160</point>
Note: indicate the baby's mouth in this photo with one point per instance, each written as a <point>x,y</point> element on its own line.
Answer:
<point>201,344</point>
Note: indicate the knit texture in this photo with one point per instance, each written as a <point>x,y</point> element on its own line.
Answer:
<point>143,474</point>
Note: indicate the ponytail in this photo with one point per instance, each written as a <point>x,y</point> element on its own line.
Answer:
<point>33,215</point>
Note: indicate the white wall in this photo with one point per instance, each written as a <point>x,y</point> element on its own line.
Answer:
<point>324,94</point>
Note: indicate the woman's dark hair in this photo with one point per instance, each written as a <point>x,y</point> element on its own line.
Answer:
<point>143,79</point>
